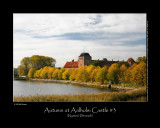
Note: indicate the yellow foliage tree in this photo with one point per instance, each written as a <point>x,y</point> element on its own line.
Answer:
<point>22,70</point>
<point>139,74</point>
<point>50,72</point>
<point>128,73</point>
<point>65,75</point>
<point>55,74</point>
<point>60,73</point>
<point>31,72</point>
<point>113,73</point>
<point>90,68</point>
<point>37,73</point>
<point>122,73</point>
<point>44,73</point>
<point>82,74</point>
<point>73,73</point>
<point>92,75</point>
<point>136,73</point>
<point>101,75</point>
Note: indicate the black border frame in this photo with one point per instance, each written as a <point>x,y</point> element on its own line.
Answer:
<point>36,109</point>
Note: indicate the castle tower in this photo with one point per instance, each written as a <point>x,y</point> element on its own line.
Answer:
<point>84,59</point>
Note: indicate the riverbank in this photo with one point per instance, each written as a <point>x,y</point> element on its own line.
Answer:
<point>21,78</point>
<point>132,95</point>
<point>86,84</point>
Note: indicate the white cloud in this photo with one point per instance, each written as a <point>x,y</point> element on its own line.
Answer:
<point>111,29</point>
<point>53,24</point>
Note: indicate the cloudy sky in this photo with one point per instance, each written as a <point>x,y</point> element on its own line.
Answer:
<point>64,36</point>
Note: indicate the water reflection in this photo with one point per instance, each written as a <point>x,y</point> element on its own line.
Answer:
<point>27,88</point>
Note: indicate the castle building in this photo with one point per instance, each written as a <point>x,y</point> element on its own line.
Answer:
<point>86,59</point>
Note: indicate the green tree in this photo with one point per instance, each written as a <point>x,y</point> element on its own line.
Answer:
<point>15,70</point>
<point>24,67</point>
<point>140,59</point>
<point>22,70</point>
<point>120,63</point>
<point>35,61</point>
<point>95,63</point>
<point>25,61</point>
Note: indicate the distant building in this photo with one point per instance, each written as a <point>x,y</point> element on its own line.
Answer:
<point>86,59</point>
<point>130,61</point>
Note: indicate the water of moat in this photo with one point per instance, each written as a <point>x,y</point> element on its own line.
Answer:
<point>31,88</point>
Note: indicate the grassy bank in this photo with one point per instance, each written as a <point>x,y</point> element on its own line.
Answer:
<point>133,95</point>
<point>21,78</point>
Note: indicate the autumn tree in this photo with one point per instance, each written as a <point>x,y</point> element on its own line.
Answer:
<point>92,75</point>
<point>35,61</point>
<point>128,73</point>
<point>122,73</point>
<point>37,73</point>
<point>73,73</point>
<point>82,75</point>
<point>101,75</point>
<point>60,73</point>
<point>44,73</point>
<point>90,68</point>
<point>55,74</point>
<point>22,70</point>
<point>65,74</point>
<point>139,75</point>
<point>31,72</point>
<point>140,59</point>
<point>50,72</point>
<point>113,73</point>
<point>120,63</point>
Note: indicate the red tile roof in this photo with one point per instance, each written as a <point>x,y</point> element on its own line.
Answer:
<point>71,64</point>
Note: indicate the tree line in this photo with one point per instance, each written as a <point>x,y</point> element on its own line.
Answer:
<point>41,67</point>
<point>116,73</point>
